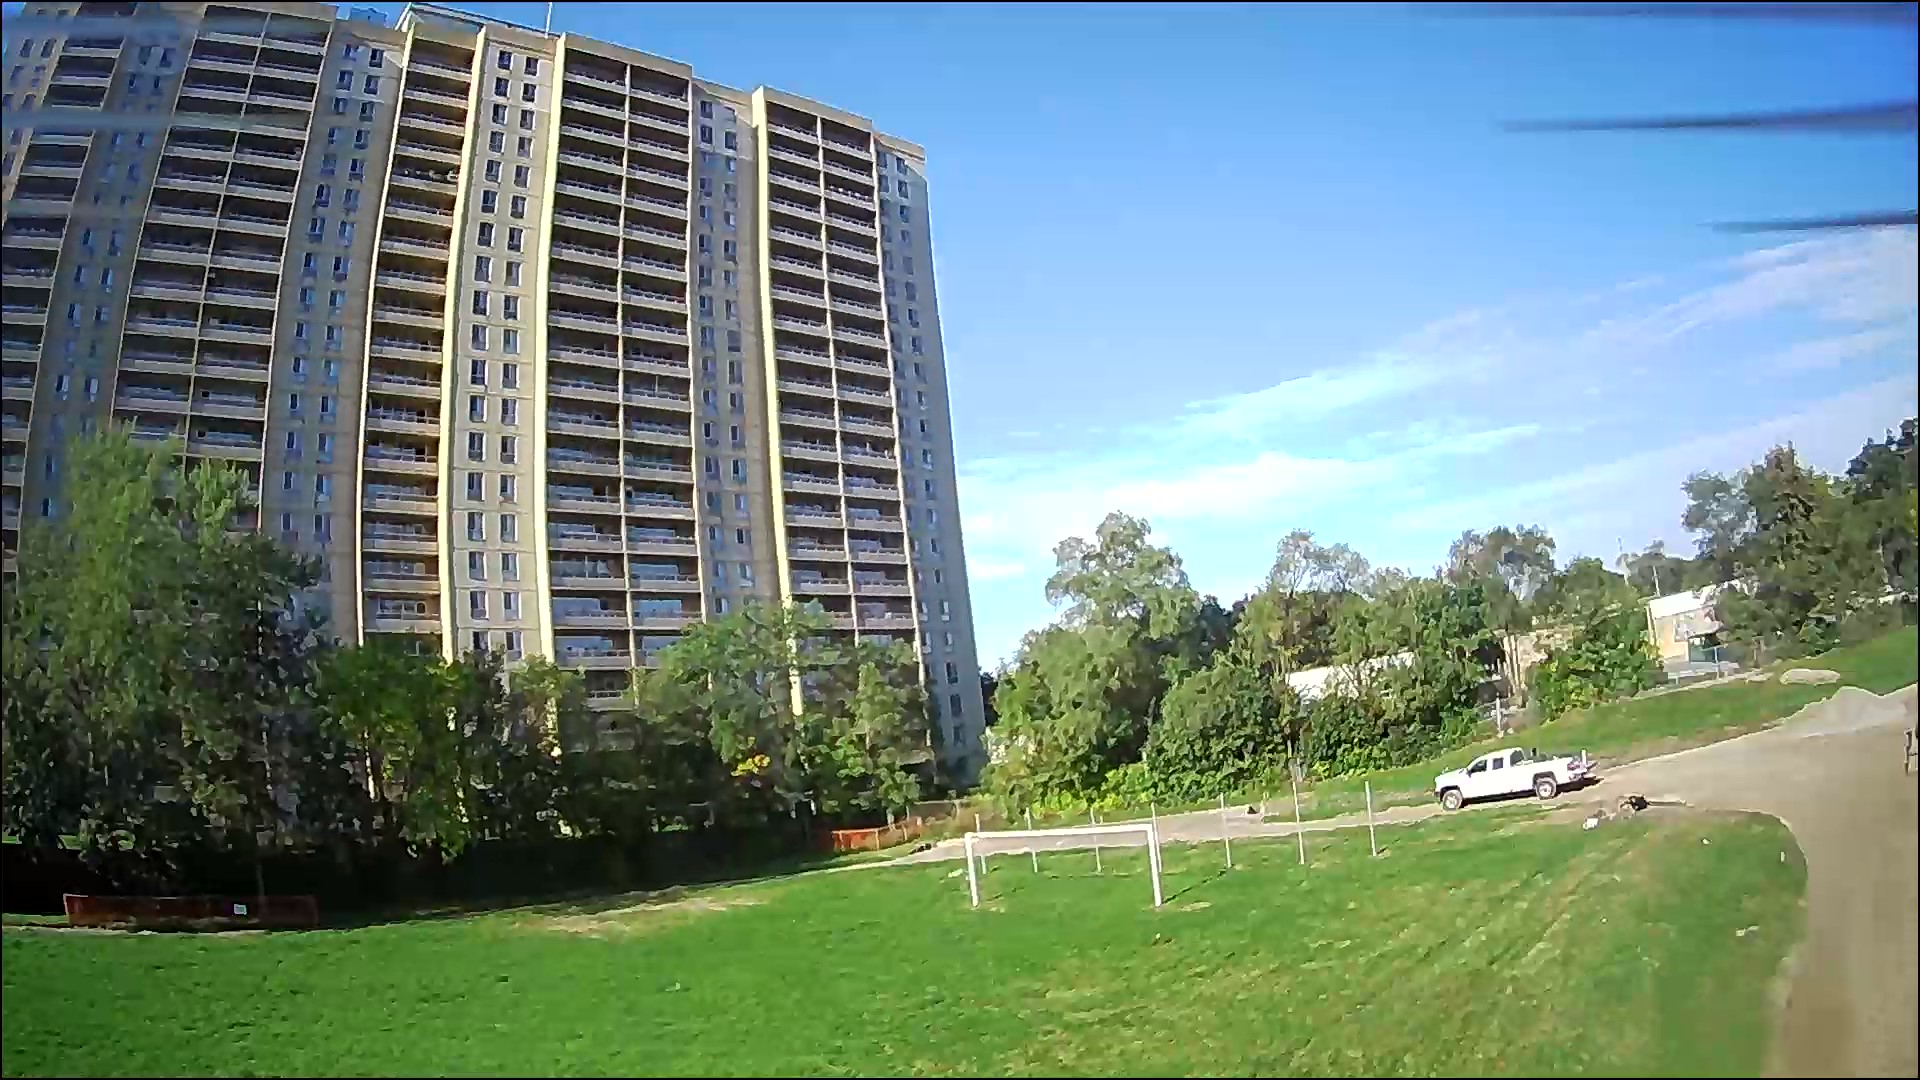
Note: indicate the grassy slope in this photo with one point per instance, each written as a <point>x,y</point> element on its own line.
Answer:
<point>1535,949</point>
<point>1643,727</point>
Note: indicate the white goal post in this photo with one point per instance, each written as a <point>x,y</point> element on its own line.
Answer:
<point>1067,839</point>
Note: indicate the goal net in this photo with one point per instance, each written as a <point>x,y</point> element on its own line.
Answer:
<point>979,845</point>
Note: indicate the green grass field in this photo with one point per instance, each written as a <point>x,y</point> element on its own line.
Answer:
<point>1509,943</point>
<point>1641,727</point>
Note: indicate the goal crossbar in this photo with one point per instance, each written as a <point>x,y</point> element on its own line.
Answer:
<point>1148,829</point>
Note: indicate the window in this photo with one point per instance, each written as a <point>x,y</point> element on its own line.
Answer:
<point>477,608</point>
<point>286,481</point>
<point>532,66</point>
<point>733,372</point>
<point>499,88</point>
<point>485,239</point>
<point>1477,767</point>
<point>330,370</point>
<point>523,147</point>
<point>477,373</point>
<point>516,238</point>
<point>336,299</point>
<point>376,57</point>
<point>293,403</point>
<point>479,641</point>
<point>526,119</point>
<point>522,174</point>
<point>509,528</point>
<point>953,674</point>
<point>493,177</point>
<point>361,138</point>
<point>480,338</point>
<point>477,408</point>
<point>728,250</point>
<point>510,339</point>
<point>510,604</point>
<point>325,452</point>
<point>513,272</point>
<point>510,376</point>
<point>371,86</point>
<point>740,536</point>
<point>476,566</point>
<point>706,130</point>
<point>946,611</point>
<point>509,449</point>
<point>739,469</point>
<point>322,195</point>
<point>504,61</point>
<point>490,200</point>
<point>510,412</point>
<point>497,142</point>
<point>517,206</point>
<point>499,114</point>
<point>510,307</point>
<point>344,81</point>
<point>706,107</point>
<point>476,525</point>
<point>476,446</point>
<point>733,341</point>
<point>483,268</point>
<point>366,109</point>
<point>509,566</point>
<point>730,140</point>
<point>479,301</point>
<point>476,486</point>
<point>93,388</point>
<point>953,706</point>
<point>706,305</point>
<point>509,492</point>
<point>529,92</point>
<point>513,645</point>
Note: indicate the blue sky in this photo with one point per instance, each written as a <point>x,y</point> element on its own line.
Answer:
<point>1244,269</point>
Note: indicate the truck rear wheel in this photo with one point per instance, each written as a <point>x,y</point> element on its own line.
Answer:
<point>1450,799</point>
<point>1545,787</point>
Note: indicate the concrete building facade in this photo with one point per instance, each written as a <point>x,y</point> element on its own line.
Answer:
<point>538,342</point>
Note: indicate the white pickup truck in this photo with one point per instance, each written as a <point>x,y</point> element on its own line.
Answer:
<point>1511,771</point>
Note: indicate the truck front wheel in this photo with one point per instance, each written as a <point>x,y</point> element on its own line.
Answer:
<point>1545,787</point>
<point>1450,799</point>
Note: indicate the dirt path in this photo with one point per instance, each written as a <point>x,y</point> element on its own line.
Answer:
<point>1834,775</point>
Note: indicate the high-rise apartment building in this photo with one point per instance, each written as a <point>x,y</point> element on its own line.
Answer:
<point>538,342</point>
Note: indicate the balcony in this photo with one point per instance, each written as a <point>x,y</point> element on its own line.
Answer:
<point>647,468</point>
<point>584,537</point>
<point>580,461</point>
<point>662,582</point>
<point>646,395</point>
<point>653,504</point>
<point>391,536</point>
<point>814,451</point>
<point>400,498</point>
<point>815,583</point>
<point>595,656</point>
<point>224,444</point>
<point>580,614</point>
<point>813,516</point>
<point>151,399</point>
<point>572,497</point>
<point>825,485</point>
<point>591,389</point>
<point>872,551</point>
<point>796,236</point>
<point>400,459</point>
<point>644,540</point>
<point>663,434</point>
<point>416,421</point>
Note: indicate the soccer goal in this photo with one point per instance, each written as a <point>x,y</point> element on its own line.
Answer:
<point>1022,841</point>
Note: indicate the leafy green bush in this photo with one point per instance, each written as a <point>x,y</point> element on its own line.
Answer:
<point>1608,657</point>
<point>1220,729</point>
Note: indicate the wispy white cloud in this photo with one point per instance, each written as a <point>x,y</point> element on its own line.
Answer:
<point>1829,352</point>
<point>1494,414</point>
<point>1860,277</point>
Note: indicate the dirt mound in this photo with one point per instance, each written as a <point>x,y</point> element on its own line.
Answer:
<point>1809,675</point>
<point>1850,709</point>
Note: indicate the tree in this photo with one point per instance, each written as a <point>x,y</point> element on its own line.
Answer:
<point>156,670</point>
<point>1653,572</point>
<point>1287,624</point>
<point>1881,481</point>
<point>1808,562</point>
<point>1512,563</point>
<point>790,713</point>
<point>1583,585</point>
<point>393,710</point>
<point>1721,518</point>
